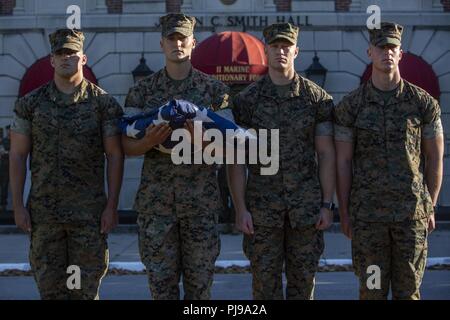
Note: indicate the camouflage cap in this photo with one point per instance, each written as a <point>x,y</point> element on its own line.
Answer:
<point>177,22</point>
<point>284,31</point>
<point>66,38</point>
<point>389,33</point>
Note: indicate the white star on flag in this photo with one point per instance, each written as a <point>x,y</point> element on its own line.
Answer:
<point>160,119</point>
<point>131,131</point>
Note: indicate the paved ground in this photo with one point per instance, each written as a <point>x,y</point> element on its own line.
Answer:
<point>124,247</point>
<point>329,285</point>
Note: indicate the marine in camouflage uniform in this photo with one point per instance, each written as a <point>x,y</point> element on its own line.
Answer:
<point>389,202</point>
<point>285,208</point>
<point>67,136</point>
<point>177,205</point>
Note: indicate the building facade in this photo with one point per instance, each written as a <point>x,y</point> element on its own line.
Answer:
<point>119,32</point>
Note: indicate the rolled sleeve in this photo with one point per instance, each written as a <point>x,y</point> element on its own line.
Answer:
<point>21,122</point>
<point>134,102</point>
<point>343,121</point>
<point>344,134</point>
<point>111,115</point>
<point>324,117</point>
<point>134,99</point>
<point>324,129</point>
<point>432,124</point>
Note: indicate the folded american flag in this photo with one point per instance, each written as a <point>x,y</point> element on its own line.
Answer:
<point>175,113</point>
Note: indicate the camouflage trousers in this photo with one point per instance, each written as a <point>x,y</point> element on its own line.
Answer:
<point>298,248</point>
<point>399,249</point>
<point>4,186</point>
<point>54,247</point>
<point>173,247</point>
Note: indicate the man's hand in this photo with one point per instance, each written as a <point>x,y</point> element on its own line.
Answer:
<point>325,219</point>
<point>110,219</point>
<point>346,225</point>
<point>22,219</point>
<point>431,223</point>
<point>244,222</point>
<point>155,135</point>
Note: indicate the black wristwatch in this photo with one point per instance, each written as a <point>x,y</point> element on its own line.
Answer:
<point>328,205</point>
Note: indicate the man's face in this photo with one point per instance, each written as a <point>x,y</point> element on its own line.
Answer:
<point>177,47</point>
<point>385,58</point>
<point>68,62</point>
<point>281,54</point>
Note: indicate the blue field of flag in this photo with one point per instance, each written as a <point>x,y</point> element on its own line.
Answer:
<point>175,113</point>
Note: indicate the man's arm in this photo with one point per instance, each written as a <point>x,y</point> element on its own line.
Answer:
<point>20,149</point>
<point>237,183</point>
<point>344,133</point>
<point>327,173</point>
<point>433,150</point>
<point>344,157</point>
<point>236,173</point>
<point>115,158</point>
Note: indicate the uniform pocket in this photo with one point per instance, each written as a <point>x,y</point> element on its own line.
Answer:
<point>85,123</point>
<point>44,122</point>
<point>369,137</point>
<point>266,116</point>
<point>413,131</point>
<point>305,128</point>
<point>370,127</point>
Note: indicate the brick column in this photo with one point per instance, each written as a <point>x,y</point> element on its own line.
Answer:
<point>342,5</point>
<point>6,7</point>
<point>173,5</point>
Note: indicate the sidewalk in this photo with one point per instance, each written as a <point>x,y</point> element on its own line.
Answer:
<point>123,247</point>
